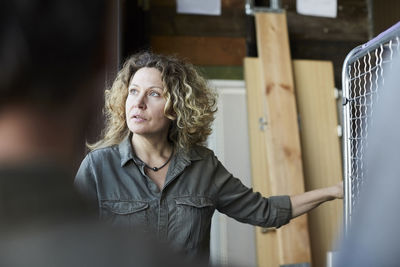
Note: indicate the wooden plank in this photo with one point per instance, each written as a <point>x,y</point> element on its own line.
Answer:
<point>385,15</point>
<point>222,72</point>
<point>202,50</point>
<point>165,21</point>
<point>320,149</point>
<point>351,23</point>
<point>266,241</point>
<point>334,51</point>
<point>328,29</point>
<point>238,4</point>
<point>282,135</point>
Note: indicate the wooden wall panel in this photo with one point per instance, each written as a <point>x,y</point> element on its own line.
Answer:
<point>202,50</point>
<point>351,23</point>
<point>165,21</point>
<point>330,39</point>
<point>282,135</point>
<point>385,14</point>
<point>239,4</point>
<point>320,149</point>
<point>204,40</point>
<point>311,37</point>
<point>334,51</point>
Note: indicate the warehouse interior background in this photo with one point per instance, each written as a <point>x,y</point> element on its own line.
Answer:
<point>218,46</point>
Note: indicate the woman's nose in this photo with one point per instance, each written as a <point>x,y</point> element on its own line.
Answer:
<point>139,101</point>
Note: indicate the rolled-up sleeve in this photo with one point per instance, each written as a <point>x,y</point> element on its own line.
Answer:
<point>85,181</point>
<point>243,204</point>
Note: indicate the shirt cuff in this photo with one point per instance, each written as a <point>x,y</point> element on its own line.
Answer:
<point>283,208</point>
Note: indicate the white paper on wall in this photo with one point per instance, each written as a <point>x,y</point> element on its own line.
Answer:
<point>321,8</point>
<point>203,7</point>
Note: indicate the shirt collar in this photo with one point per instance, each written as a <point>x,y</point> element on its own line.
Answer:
<point>125,150</point>
<point>190,155</point>
<point>127,154</point>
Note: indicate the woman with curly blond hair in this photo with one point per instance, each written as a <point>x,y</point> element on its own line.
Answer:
<point>151,169</point>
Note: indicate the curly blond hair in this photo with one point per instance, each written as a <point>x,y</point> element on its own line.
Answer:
<point>190,102</point>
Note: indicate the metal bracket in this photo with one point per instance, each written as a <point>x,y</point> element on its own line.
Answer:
<point>262,122</point>
<point>265,230</point>
<point>303,264</point>
<point>275,7</point>
<point>337,93</point>
<point>339,130</point>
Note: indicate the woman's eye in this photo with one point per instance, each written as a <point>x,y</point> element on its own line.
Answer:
<point>133,91</point>
<point>153,93</point>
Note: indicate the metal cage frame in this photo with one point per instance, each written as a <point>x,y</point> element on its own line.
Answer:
<point>362,80</point>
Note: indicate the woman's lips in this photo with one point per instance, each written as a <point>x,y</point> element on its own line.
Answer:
<point>137,118</point>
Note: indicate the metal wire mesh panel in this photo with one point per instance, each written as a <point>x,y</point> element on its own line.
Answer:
<point>363,79</point>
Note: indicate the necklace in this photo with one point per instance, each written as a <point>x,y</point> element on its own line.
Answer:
<point>162,166</point>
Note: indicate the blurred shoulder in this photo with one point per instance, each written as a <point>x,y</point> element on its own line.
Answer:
<point>103,153</point>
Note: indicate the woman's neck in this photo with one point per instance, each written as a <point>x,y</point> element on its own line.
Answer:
<point>150,149</point>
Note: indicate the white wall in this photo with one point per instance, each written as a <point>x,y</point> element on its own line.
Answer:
<point>232,243</point>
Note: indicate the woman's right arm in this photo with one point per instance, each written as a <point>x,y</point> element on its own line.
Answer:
<point>243,204</point>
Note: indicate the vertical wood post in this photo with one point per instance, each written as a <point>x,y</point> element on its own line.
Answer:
<point>266,241</point>
<point>281,132</point>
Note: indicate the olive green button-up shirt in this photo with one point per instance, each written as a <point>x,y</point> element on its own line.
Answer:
<point>196,184</point>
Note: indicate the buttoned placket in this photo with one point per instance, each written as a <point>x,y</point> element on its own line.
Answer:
<point>177,165</point>
<point>150,183</point>
<point>162,205</point>
<point>162,224</point>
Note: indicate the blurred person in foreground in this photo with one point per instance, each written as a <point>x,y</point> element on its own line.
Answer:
<point>51,61</point>
<point>151,167</point>
<point>373,238</point>
<point>51,64</point>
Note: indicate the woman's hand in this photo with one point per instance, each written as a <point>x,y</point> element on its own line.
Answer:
<point>337,190</point>
<point>307,201</point>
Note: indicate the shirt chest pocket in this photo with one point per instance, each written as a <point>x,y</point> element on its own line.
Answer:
<point>131,213</point>
<point>194,214</point>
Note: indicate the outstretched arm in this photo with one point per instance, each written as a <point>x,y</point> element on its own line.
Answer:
<point>307,201</point>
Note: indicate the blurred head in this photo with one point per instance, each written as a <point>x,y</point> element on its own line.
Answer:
<point>190,104</point>
<point>49,50</point>
<point>51,59</point>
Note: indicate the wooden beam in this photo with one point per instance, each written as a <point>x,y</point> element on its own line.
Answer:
<point>238,4</point>
<point>222,72</point>
<point>165,21</point>
<point>351,23</point>
<point>202,50</point>
<point>320,149</point>
<point>282,135</point>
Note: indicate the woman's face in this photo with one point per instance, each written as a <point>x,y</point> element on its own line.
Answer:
<point>145,104</point>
